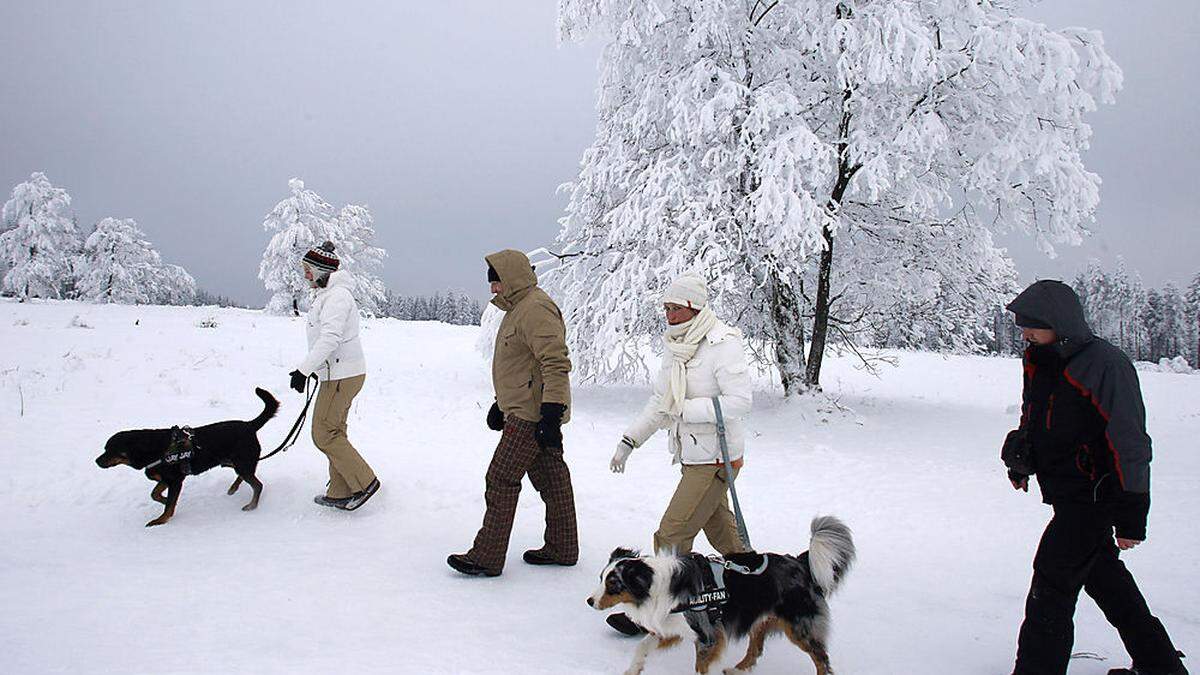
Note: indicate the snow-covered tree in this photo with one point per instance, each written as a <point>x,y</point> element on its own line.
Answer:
<point>40,241</point>
<point>1166,323</point>
<point>815,160</point>
<point>1193,301</point>
<point>118,265</point>
<point>303,221</point>
<point>357,232</point>
<point>175,286</point>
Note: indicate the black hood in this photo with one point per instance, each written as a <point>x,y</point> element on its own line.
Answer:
<point>1056,304</point>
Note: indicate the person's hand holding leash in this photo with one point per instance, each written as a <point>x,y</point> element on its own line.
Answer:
<point>298,380</point>
<point>624,450</point>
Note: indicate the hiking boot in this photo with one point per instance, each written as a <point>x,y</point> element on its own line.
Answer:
<point>461,563</point>
<point>359,498</point>
<point>540,556</point>
<point>331,502</point>
<point>621,623</point>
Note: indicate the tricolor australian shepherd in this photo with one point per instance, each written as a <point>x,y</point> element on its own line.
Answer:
<point>788,596</point>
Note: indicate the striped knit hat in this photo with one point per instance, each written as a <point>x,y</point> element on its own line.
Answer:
<point>322,258</point>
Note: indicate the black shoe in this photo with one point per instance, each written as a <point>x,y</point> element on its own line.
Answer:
<point>461,563</point>
<point>331,502</point>
<point>621,623</point>
<point>539,556</point>
<point>1134,670</point>
<point>359,498</point>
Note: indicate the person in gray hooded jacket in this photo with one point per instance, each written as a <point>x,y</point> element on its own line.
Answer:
<point>1083,434</point>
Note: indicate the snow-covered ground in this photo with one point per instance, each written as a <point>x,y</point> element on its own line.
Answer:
<point>944,543</point>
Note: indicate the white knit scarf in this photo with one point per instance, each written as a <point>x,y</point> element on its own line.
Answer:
<point>682,341</point>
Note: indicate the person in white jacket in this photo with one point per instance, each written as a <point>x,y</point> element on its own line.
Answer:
<point>703,358</point>
<point>335,358</point>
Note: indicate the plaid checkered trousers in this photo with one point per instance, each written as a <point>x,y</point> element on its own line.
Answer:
<point>516,455</point>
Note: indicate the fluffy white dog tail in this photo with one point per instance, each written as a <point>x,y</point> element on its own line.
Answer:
<point>830,552</point>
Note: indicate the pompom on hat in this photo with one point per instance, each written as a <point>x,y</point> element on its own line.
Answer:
<point>687,290</point>
<point>323,258</point>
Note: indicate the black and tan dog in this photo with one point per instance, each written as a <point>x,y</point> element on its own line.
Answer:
<point>170,455</point>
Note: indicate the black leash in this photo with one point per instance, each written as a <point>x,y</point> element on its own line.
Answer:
<point>294,434</point>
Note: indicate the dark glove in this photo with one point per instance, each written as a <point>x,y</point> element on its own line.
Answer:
<point>1017,453</point>
<point>549,430</point>
<point>495,418</point>
<point>298,380</point>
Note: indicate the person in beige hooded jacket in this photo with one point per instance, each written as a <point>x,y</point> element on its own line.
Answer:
<point>530,375</point>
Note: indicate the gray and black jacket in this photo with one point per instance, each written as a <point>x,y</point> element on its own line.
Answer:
<point>1084,414</point>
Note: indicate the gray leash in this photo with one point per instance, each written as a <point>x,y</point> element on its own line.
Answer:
<point>737,508</point>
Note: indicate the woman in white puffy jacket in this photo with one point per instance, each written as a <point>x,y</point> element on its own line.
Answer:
<point>335,357</point>
<point>703,358</point>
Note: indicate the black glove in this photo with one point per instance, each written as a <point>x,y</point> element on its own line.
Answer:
<point>549,430</point>
<point>495,418</point>
<point>298,380</point>
<point>1017,453</point>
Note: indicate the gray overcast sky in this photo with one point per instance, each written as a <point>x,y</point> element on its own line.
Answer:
<point>454,122</point>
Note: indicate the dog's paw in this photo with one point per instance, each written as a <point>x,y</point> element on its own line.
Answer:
<point>250,507</point>
<point>734,671</point>
<point>156,521</point>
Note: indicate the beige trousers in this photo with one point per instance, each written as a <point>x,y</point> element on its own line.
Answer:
<point>699,503</point>
<point>348,471</point>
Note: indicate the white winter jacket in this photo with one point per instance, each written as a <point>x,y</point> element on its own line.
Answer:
<point>334,350</point>
<point>719,369</point>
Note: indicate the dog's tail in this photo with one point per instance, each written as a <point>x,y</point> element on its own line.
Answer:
<point>830,552</point>
<point>271,407</point>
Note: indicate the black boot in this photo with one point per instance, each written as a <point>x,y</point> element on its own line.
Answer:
<point>621,623</point>
<point>461,563</point>
<point>1135,670</point>
<point>539,556</point>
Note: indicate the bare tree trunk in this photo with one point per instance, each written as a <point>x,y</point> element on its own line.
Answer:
<point>821,308</point>
<point>820,332</point>
<point>788,332</point>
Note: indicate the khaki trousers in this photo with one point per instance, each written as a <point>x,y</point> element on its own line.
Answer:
<point>348,472</point>
<point>699,503</point>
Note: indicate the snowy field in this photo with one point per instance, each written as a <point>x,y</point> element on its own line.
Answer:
<point>911,465</point>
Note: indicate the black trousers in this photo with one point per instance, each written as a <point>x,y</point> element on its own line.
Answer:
<point>1077,551</point>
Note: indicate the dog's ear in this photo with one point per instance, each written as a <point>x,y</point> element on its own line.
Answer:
<point>620,553</point>
<point>636,576</point>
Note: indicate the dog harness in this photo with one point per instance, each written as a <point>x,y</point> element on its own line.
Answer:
<point>179,451</point>
<point>703,610</point>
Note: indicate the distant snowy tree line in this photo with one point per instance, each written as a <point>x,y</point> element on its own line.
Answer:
<point>1148,324</point>
<point>453,307</point>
